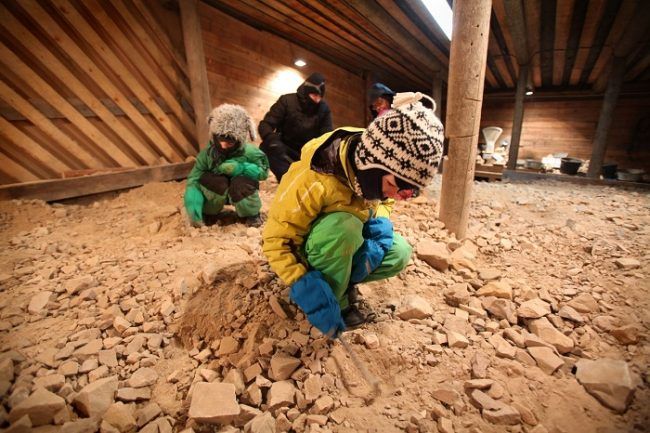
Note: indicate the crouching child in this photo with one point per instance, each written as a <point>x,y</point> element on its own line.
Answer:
<point>228,170</point>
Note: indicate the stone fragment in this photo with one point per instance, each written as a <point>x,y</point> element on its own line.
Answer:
<point>609,380</point>
<point>478,383</point>
<point>501,309</point>
<point>262,423</point>
<point>446,395</point>
<point>457,340</point>
<point>480,363</point>
<point>569,313</point>
<point>534,309</point>
<point>488,274</point>
<point>627,263</point>
<point>120,416</point>
<point>143,377</point>
<point>210,272</point>
<point>133,394</point>
<point>235,377</point>
<point>282,393</point>
<point>502,347</point>
<point>457,294</point>
<point>94,399</point>
<point>274,302</point>
<point>121,324</point>
<point>40,406</point>
<point>282,366</point>
<point>514,336</point>
<point>7,370</point>
<point>322,405</point>
<point>312,387</point>
<point>229,345</point>
<point>445,425</point>
<point>628,334</point>
<point>89,349</point>
<point>147,413</point>
<point>51,382</point>
<point>498,289</point>
<point>527,415</point>
<point>546,359</point>
<point>107,358</point>
<point>213,403</point>
<point>605,322</point>
<point>85,425</point>
<point>69,368</point>
<point>484,401</point>
<point>371,340</point>
<point>435,254</point>
<point>415,307</point>
<point>39,301</point>
<point>547,332</point>
<point>506,415</point>
<point>584,303</point>
<point>77,284</point>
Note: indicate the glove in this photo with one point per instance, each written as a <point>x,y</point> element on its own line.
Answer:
<point>231,168</point>
<point>380,230</point>
<point>251,170</point>
<point>378,234</point>
<point>241,187</point>
<point>316,299</point>
<point>194,204</point>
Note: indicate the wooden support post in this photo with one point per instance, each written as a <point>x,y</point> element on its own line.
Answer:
<point>605,119</point>
<point>197,73</point>
<point>468,56</point>
<point>436,91</point>
<point>513,152</point>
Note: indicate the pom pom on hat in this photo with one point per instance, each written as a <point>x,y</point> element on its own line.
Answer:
<point>232,121</point>
<point>406,141</point>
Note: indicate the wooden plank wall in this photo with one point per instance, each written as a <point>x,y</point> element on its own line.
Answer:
<point>569,126</point>
<point>253,68</point>
<point>89,85</point>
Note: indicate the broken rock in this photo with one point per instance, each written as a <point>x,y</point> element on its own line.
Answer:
<point>415,307</point>
<point>41,407</point>
<point>534,309</point>
<point>498,289</point>
<point>609,380</point>
<point>94,399</point>
<point>435,254</point>
<point>547,332</point>
<point>214,403</point>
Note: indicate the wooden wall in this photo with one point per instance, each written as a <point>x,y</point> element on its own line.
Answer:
<point>88,85</point>
<point>253,68</point>
<point>569,126</point>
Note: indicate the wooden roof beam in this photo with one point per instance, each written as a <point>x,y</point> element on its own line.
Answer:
<point>634,35</point>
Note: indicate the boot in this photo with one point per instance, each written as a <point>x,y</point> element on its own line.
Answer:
<point>353,294</point>
<point>352,317</point>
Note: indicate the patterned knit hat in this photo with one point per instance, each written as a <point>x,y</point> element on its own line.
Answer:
<point>406,141</point>
<point>232,121</point>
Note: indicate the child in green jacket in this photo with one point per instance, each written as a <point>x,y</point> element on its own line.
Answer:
<point>228,170</point>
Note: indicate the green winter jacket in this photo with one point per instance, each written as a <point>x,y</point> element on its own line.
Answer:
<point>205,163</point>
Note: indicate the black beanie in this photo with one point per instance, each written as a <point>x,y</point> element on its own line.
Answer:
<point>315,83</point>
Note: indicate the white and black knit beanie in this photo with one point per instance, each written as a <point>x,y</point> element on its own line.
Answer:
<point>406,141</point>
<point>232,121</point>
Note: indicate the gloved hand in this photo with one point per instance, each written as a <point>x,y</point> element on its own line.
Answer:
<point>380,230</point>
<point>231,168</point>
<point>251,170</point>
<point>316,299</point>
<point>378,234</point>
<point>194,204</point>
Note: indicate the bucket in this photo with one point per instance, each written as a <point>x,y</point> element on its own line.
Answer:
<point>609,170</point>
<point>570,165</point>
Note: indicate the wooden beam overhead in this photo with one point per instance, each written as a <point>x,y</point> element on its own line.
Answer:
<point>504,52</point>
<point>547,40</point>
<point>516,21</point>
<point>604,26</point>
<point>577,22</point>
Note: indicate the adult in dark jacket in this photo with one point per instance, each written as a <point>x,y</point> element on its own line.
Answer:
<point>292,121</point>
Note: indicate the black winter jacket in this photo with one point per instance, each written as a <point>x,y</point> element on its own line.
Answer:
<point>293,120</point>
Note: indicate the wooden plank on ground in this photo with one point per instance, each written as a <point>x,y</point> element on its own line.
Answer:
<point>59,189</point>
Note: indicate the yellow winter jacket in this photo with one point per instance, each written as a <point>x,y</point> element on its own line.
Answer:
<point>302,196</point>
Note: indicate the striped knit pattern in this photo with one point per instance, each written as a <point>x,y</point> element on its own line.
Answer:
<point>406,141</point>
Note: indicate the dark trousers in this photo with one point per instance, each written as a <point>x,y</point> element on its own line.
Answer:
<point>280,157</point>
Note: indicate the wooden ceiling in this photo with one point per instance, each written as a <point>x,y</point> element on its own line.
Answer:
<point>569,42</point>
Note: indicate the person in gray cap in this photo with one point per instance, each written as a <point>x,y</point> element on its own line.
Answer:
<point>292,121</point>
<point>380,98</point>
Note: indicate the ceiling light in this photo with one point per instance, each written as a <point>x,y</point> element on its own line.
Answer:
<point>529,92</point>
<point>442,13</point>
<point>300,63</point>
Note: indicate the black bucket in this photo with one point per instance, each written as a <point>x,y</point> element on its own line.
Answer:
<point>609,170</point>
<point>570,165</point>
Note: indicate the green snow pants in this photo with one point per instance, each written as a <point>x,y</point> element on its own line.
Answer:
<point>330,247</point>
<point>246,207</point>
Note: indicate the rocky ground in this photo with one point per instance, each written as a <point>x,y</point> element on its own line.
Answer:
<point>115,316</point>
